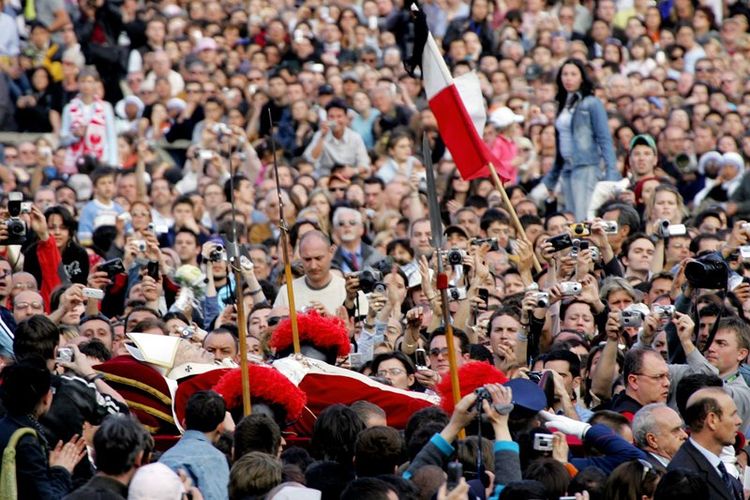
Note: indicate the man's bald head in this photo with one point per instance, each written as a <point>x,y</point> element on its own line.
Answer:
<point>701,404</point>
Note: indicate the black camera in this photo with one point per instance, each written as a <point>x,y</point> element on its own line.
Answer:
<point>369,279</point>
<point>482,395</point>
<point>217,254</point>
<point>494,247</point>
<point>709,271</point>
<point>16,227</point>
<point>455,256</point>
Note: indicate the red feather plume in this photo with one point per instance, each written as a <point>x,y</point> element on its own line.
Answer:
<point>321,331</point>
<point>266,384</point>
<point>470,376</point>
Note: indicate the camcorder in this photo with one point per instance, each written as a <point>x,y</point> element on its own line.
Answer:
<point>665,229</point>
<point>16,227</point>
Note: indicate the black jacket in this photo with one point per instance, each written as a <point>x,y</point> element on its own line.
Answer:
<point>36,479</point>
<point>100,488</point>
<point>688,457</point>
<point>75,263</point>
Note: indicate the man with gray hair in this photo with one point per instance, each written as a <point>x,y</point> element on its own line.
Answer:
<point>352,254</point>
<point>658,431</point>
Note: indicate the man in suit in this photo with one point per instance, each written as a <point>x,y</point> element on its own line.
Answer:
<point>657,430</point>
<point>352,254</point>
<point>713,420</point>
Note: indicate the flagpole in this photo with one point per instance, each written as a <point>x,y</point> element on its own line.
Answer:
<point>520,232</point>
<point>436,226</point>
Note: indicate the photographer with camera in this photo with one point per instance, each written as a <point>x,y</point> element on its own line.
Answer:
<point>647,377</point>
<point>495,405</point>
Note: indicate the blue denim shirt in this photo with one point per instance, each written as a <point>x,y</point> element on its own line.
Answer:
<point>205,464</point>
<point>592,142</point>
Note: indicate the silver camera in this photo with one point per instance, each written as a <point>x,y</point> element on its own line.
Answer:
<point>64,354</point>
<point>457,293</point>
<point>610,226</point>
<point>631,319</point>
<point>543,442</point>
<point>664,312</point>
<point>455,256</point>
<point>541,299</point>
<point>570,288</point>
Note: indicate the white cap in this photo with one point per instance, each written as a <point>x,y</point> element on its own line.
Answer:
<point>155,482</point>
<point>504,117</point>
<point>733,159</point>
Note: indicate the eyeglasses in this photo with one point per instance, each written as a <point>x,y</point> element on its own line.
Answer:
<point>24,286</point>
<point>707,70</point>
<point>391,371</point>
<point>38,306</point>
<point>663,376</point>
<point>343,223</point>
<point>438,351</point>
<point>336,189</point>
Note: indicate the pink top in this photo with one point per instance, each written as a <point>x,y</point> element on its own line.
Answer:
<point>505,151</point>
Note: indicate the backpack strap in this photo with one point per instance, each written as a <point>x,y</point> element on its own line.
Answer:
<point>8,484</point>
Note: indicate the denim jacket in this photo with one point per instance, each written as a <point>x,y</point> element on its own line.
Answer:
<point>203,462</point>
<point>592,142</point>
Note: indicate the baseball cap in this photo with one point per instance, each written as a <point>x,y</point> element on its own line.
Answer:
<point>504,117</point>
<point>645,140</point>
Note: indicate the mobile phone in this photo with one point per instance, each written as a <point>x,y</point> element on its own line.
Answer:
<point>455,473</point>
<point>25,207</point>
<point>420,359</point>
<point>112,267</point>
<point>484,294</point>
<point>561,242</point>
<point>152,269</point>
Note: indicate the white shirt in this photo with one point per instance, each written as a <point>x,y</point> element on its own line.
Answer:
<point>714,460</point>
<point>332,296</point>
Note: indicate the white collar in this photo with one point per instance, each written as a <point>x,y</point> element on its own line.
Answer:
<point>713,459</point>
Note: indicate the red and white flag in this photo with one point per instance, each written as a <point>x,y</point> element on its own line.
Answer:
<point>459,109</point>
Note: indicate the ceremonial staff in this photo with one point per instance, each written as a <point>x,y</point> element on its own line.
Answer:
<point>235,263</point>
<point>285,247</point>
<point>442,278</point>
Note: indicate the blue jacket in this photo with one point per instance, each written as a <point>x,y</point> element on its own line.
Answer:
<point>592,142</point>
<point>203,462</point>
<point>613,448</point>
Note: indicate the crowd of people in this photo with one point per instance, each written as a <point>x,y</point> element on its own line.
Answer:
<point>167,151</point>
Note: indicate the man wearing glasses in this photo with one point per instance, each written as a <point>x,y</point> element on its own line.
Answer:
<point>647,377</point>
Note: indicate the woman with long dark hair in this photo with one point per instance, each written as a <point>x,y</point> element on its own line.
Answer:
<point>56,254</point>
<point>583,140</point>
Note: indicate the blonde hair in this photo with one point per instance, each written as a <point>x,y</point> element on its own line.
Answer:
<point>682,210</point>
